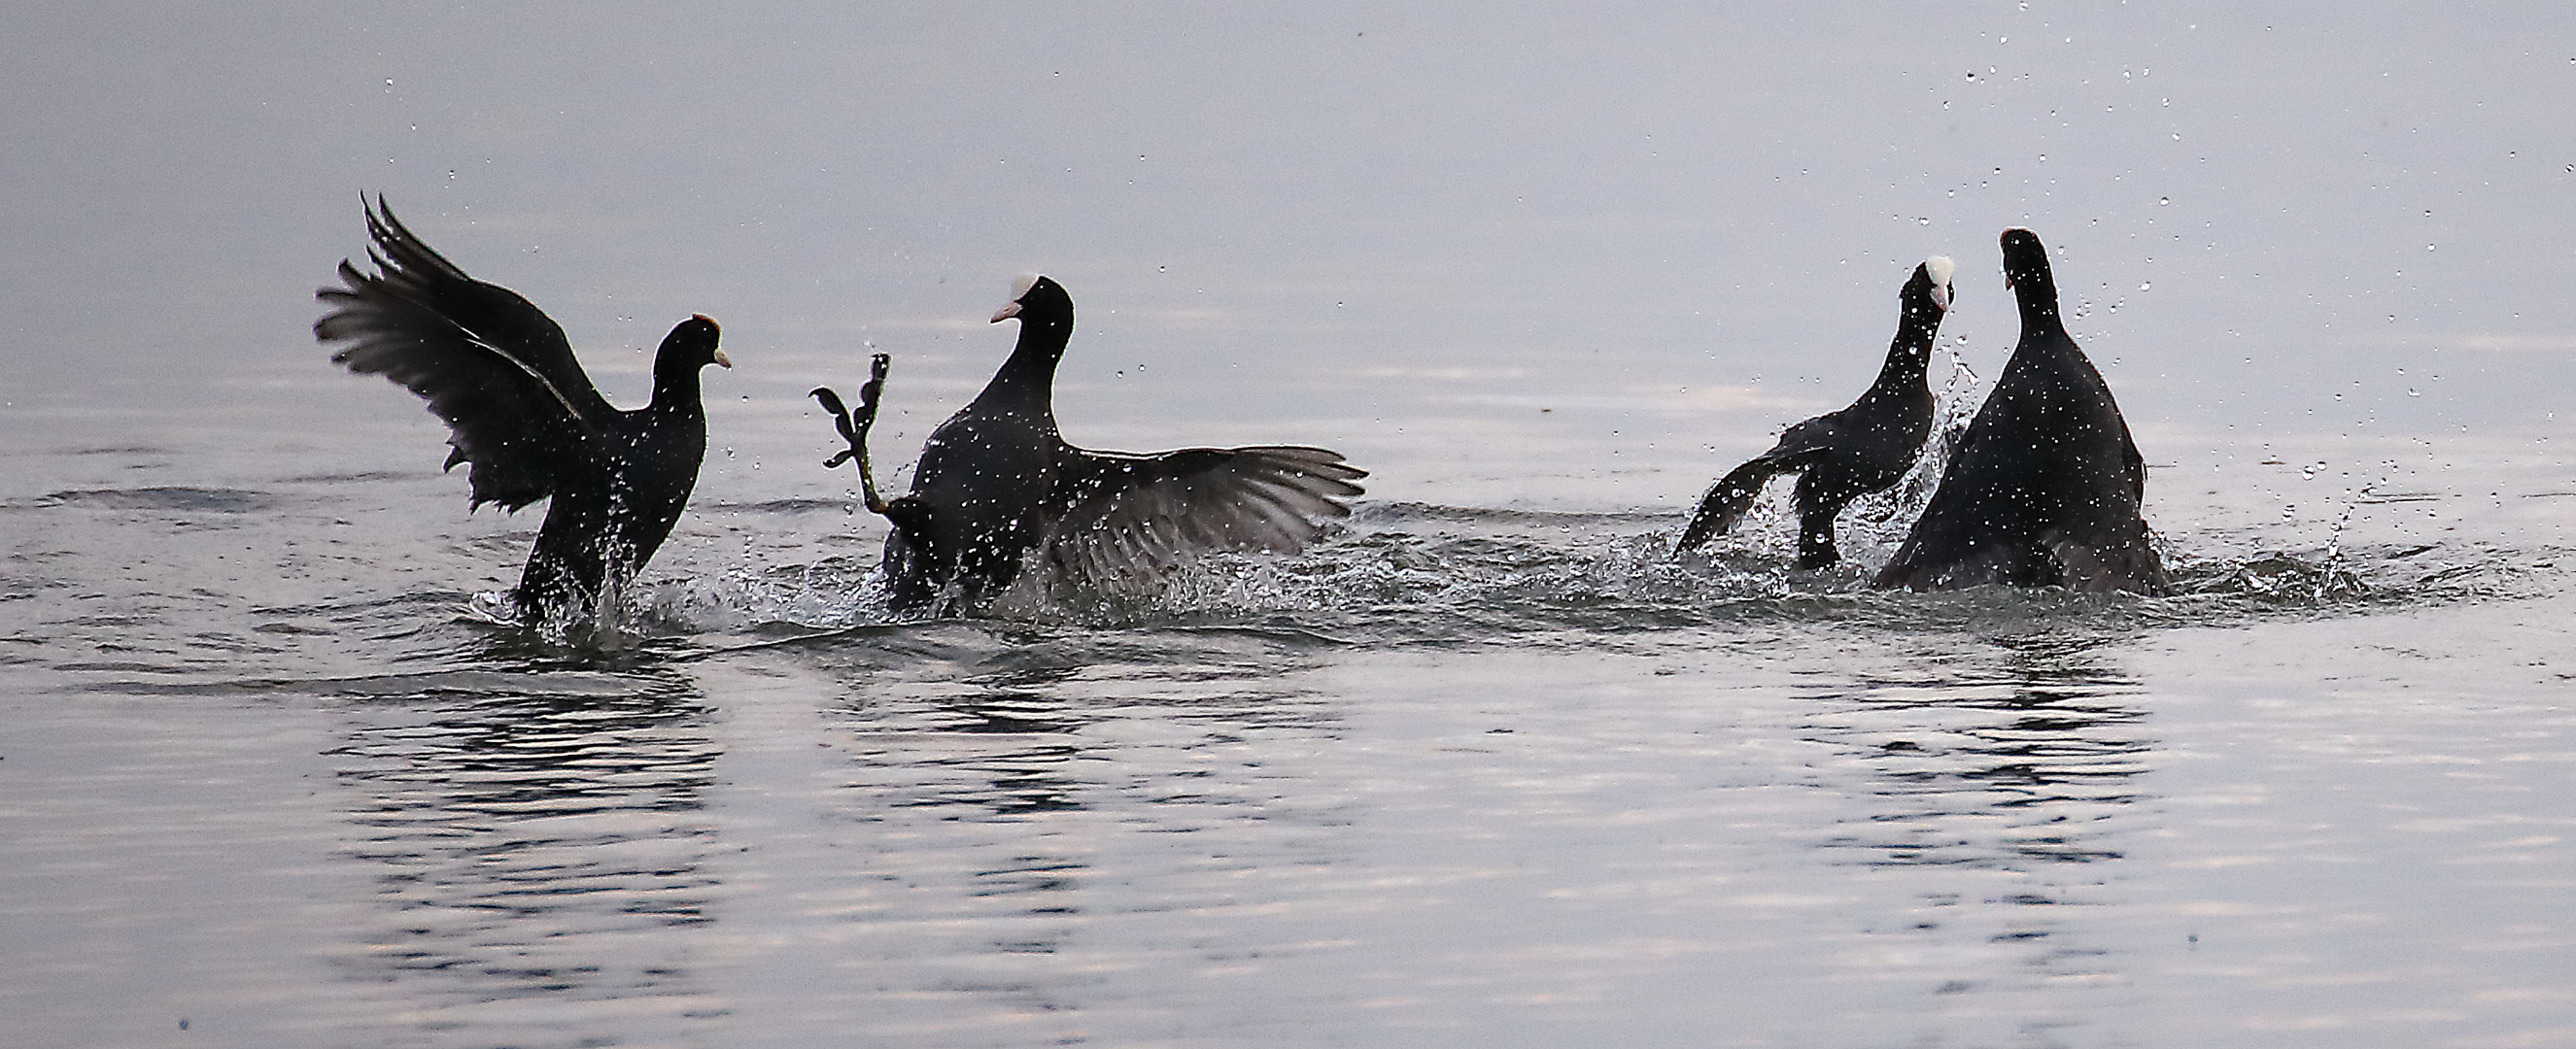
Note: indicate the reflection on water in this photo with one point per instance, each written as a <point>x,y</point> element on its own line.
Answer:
<point>1510,776</point>
<point>531,836</point>
<point>1051,825</point>
<point>2004,796</point>
<point>2019,766</point>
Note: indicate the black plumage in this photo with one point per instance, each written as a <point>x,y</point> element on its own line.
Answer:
<point>522,413</point>
<point>1843,455</point>
<point>999,493</point>
<point>2045,487</point>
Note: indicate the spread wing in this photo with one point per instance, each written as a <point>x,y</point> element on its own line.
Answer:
<point>492,365</point>
<point>1726,501</point>
<point>1122,520</point>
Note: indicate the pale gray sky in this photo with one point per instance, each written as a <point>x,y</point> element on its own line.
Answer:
<point>2283,202</point>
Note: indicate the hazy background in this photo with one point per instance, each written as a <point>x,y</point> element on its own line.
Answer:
<point>1400,231</point>
<point>266,774</point>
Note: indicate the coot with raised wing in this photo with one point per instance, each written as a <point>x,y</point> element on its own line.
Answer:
<point>1843,455</point>
<point>519,409</point>
<point>999,493</point>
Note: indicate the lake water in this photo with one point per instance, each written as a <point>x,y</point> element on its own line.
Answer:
<point>1488,767</point>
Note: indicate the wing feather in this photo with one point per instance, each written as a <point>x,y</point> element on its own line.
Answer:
<point>1725,502</point>
<point>1123,520</point>
<point>491,365</point>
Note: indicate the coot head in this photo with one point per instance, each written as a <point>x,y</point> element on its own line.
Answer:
<point>1932,280</point>
<point>2026,265</point>
<point>692,345</point>
<point>1043,301</point>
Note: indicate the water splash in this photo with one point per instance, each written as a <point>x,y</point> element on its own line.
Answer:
<point>1423,574</point>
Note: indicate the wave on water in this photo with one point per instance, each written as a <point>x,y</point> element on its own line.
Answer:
<point>1417,573</point>
<point>183,580</point>
<point>170,498</point>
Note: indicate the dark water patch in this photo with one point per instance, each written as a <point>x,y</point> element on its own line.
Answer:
<point>353,477</point>
<point>113,666</point>
<point>1382,514</point>
<point>793,506</point>
<point>2376,498</point>
<point>177,499</point>
<point>990,658</point>
<point>564,684</point>
<point>373,606</point>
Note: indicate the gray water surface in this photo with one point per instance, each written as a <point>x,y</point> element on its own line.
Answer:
<point>1457,777</point>
<point>1489,766</point>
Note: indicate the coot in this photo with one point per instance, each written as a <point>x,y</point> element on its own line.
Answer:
<point>520,410</point>
<point>999,493</point>
<point>2045,487</point>
<point>1843,455</point>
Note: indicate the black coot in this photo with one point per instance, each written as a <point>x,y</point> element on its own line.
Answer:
<point>519,408</point>
<point>998,489</point>
<point>2045,487</point>
<point>1843,455</point>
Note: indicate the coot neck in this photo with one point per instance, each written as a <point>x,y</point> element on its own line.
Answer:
<point>2037,296</point>
<point>1911,351</point>
<point>1027,380</point>
<point>675,387</point>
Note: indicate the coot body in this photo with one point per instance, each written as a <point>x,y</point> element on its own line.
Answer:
<point>2046,486</point>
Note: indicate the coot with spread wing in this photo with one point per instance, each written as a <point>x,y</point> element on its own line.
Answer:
<point>998,492</point>
<point>1843,455</point>
<point>521,411</point>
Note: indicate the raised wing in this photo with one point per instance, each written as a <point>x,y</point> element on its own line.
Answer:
<point>1121,521</point>
<point>492,365</point>
<point>1726,501</point>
